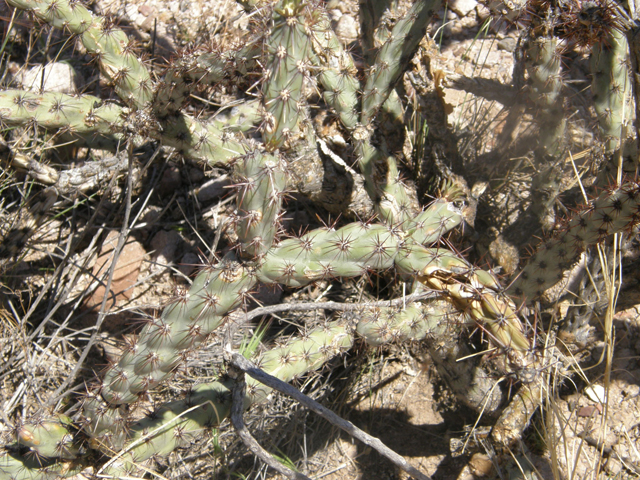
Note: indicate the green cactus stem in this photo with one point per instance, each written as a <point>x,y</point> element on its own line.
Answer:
<point>441,324</point>
<point>382,180</point>
<point>18,467</point>
<point>613,211</point>
<point>208,404</point>
<point>261,181</point>
<point>437,219</point>
<point>86,116</point>
<point>337,72</point>
<point>239,118</point>
<point>194,69</point>
<point>116,55</point>
<point>394,56</point>
<point>80,115</point>
<point>199,141</point>
<point>49,439</point>
<point>289,52</point>
<point>183,325</point>
<point>397,324</point>
<point>181,78</point>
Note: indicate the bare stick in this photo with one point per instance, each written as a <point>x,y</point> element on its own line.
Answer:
<point>287,307</point>
<point>250,369</point>
<point>237,407</point>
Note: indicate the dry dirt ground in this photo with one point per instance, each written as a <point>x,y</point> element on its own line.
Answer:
<point>393,393</point>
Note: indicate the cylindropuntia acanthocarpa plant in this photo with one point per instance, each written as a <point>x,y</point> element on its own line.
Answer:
<point>297,51</point>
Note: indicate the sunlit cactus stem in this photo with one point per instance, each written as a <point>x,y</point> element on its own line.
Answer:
<point>77,115</point>
<point>49,438</point>
<point>182,326</point>
<point>289,51</point>
<point>209,403</point>
<point>261,183</point>
<point>118,60</point>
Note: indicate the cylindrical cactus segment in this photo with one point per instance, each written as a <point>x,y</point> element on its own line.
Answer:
<point>544,68</point>
<point>301,354</point>
<point>437,219</point>
<point>382,180</point>
<point>200,69</point>
<point>239,118</point>
<point>183,325</point>
<point>80,115</point>
<point>49,438</point>
<point>613,211</point>
<point>261,182</point>
<point>206,143</point>
<point>326,253</point>
<point>400,323</point>
<point>289,51</point>
<point>337,72</point>
<point>183,75</point>
<point>394,56</point>
<point>611,86</point>
<point>471,384</point>
<point>19,467</point>
<point>116,55</point>
<point>208,404</point>
<point>440,322</point>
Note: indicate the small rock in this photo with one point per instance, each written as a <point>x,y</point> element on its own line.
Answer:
<point>145,10</point>
<point>189,263</point>
<point>335,15</point>
<point>171,180</point>
<point>469,23</point>
<point>481,465</point>
<point>508,44</point>
<point>347,29</point>
<point>125,274</point>
<point>589,411</point>
<point>613,466</point>
<point>596,393</point>
<point>453,28</point>
<point>338,5</point>
<point>164,245</point>
<point>58,77</point>
<point>195,175</point>
<point>214,188</point>
<point>482,12</point>
<point>463,7</point>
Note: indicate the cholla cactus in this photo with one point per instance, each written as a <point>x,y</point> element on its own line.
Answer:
<point>298,51</point>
